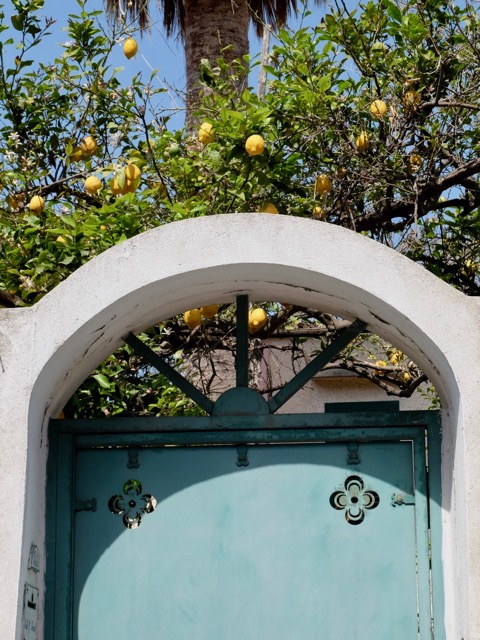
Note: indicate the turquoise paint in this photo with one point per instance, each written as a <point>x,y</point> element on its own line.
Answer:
<point>192,493</point>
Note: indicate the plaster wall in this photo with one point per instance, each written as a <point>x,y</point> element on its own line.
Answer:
<point>46,351</point>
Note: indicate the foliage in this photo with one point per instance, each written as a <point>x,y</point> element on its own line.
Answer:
<point>415,188</point>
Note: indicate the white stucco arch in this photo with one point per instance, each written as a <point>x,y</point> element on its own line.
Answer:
<point>46,351</point>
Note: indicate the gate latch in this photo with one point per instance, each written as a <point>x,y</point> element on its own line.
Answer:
<point>401,499</point>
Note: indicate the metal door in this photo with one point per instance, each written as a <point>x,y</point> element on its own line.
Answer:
<point>287,541</point>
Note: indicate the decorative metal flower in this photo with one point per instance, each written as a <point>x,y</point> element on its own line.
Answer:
<point>354,499</point>
<point>131,504</point>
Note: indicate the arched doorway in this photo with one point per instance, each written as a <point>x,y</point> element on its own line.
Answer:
<point>49,349</point>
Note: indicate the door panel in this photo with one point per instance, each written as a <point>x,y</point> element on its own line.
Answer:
<point>298,545</point>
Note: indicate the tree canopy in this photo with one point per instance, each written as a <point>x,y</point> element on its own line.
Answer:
<point>369,121</point>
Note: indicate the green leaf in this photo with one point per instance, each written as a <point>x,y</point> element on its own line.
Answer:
<point>102,380</point>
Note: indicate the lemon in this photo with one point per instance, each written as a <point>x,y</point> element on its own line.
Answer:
<point>255,145</point>
<point>205,133</point>
<point>257,318</point>
<point>378,109</point>
<point>319,213</point>
<point>132,172</point>
<point>270,208</point>
<point>414,163</point>
<point>362,142</point>
<point>469,268</point>
<point>77,154</point>
<point>209,311</point>
<point>380,363</point>
<point>395,356</point>
<point>192,318</point>
<point>61,239</point>
<point>130,48</point>
<point>88,146</point>
<point>410,100</point>
<point>36,204</point>
<point>323,184</point>
<point>130,186</point>
<point>92,185</point>
<point>16,201</point>
<point>115,188</point>
<point>406,376</point>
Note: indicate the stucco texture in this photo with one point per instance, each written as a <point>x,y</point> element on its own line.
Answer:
<point>46,351</point>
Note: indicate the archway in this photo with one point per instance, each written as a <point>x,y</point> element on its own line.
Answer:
<point>49,349</point>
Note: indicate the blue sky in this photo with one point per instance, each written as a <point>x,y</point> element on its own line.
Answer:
<point>155,50</point>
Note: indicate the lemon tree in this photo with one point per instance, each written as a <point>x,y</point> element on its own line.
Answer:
<point>369,121</point>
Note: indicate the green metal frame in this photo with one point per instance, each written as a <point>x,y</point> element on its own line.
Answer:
<point>235,400</point>
<point>241,416</point>
<point>67,436</point>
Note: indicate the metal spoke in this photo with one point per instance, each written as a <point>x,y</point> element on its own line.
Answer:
<point>169,372</point>
<point>303,376</point>
<point>241,355</point>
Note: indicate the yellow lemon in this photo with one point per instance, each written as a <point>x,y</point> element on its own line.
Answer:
<point>270,208</point>
<point>130,186</point>
<point>319,213</point>
<point>88,146</point>
<point>414,162</point>
<point>77,154</point>
<point>205,133</point>
<point>469,268</point>
<point>411,99</point>
<point>192,318</point>
<point>92,185</point>
<point>115,188</point>
<point>61,239</point>
<point>378,109</point>
<point>103,227</point>
<point>257,319</point>
<point>323,184</point>
<point>132,172</point>
<point>12,202</point>
<point>362,142</point>
<point>406,376</point>
<point>36,204</point>
<point>209,311</point>
<point>130,48</point>
<point>254,145</point>
<point>15,201</point>
<point>380,363</point>
<point>395,356</point>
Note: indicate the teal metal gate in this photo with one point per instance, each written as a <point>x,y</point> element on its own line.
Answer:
<point>246,524</point>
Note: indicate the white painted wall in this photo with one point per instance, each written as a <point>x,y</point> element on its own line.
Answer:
<point>47,351</point>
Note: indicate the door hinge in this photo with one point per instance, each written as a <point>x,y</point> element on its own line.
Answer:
<point>242,455</point>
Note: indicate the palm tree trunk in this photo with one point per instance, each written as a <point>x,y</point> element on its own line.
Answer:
<point>211,25</point>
